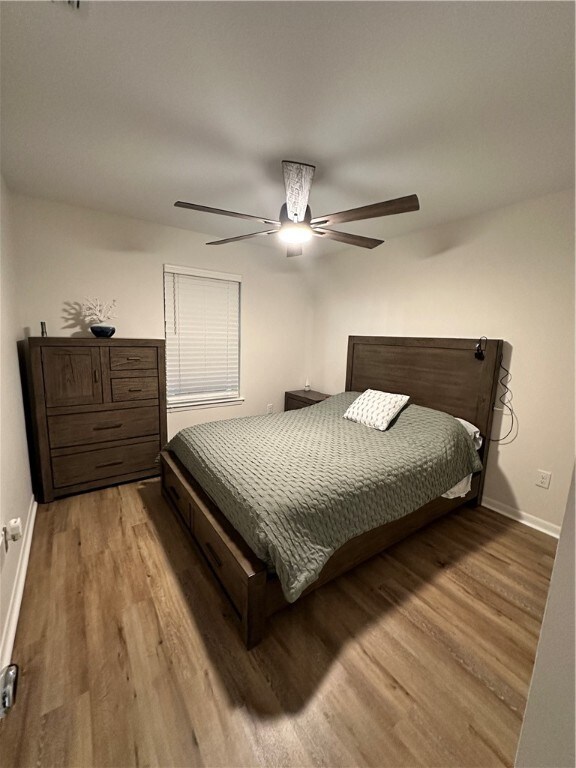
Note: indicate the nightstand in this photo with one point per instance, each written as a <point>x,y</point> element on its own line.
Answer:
<point>301,398</point>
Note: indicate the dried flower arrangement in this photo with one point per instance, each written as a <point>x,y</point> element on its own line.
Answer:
<point>96,311</point>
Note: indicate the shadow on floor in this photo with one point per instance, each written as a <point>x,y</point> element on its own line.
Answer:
<point>304,641</point>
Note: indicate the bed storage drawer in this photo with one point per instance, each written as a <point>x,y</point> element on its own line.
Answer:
<point>221,559</point>
<point>208,532</point>
<point>242,574</point>
<point>174,489</point>
<point>86,466</point>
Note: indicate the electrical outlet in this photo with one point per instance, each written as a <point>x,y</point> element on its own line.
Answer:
<point>543,478</point>
<point>15,528</point>
<point>270,408</point>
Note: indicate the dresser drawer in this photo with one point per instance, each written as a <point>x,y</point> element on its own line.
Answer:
<point>133,358</point>
<point>143,388</point>
<point>302,398</point>
<point>292,404</point>
<point>86,466</point>
<point>100,426</point>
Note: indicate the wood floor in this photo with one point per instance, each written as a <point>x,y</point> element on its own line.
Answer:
<point>128,654</point>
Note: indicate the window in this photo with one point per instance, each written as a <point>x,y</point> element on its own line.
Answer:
<point>202,320</point>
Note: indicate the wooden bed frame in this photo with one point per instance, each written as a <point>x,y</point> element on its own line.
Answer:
<point>445,374</point>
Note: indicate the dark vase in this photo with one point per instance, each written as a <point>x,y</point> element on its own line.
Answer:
<point>103,331</point>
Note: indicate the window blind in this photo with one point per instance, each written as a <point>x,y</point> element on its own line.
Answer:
<point>202,320</point>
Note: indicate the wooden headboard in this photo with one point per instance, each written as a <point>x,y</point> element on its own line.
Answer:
<point>438,373</point>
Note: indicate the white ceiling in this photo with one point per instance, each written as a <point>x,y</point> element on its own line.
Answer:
<point>128,106</point>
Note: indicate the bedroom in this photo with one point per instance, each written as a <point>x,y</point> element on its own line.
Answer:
<point>473,110</point>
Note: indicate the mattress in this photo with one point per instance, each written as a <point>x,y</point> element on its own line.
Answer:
<point>298,485</point>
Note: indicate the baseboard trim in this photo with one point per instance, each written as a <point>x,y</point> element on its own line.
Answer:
<point>9,633</point>
<point>522,517</point>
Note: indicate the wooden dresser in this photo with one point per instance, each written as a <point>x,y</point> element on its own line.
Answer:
<point>96,411</point>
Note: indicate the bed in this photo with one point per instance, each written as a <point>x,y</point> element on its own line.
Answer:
<point>235,484</point>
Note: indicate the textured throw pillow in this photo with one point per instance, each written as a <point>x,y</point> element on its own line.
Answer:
<point>376,409</point>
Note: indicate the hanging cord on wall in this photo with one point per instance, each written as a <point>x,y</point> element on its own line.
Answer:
<point>506,400</point>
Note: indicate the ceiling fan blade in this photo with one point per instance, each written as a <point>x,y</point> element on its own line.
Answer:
<point>241,237</point>
<point>294,250</point>
<point>387,208</point>
<point>222,212</point>
<point>297,181</point>
<point>345,237</point>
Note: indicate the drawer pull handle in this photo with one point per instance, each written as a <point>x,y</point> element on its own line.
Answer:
<point>96,376</point>
<point>135,389</point>
<point>213,554</point>
<point>136,359</point>
<point>174,493</point>
<point>106,426</point>
<point>109,464</point>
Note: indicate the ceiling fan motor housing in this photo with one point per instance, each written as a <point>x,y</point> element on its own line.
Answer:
<point>285,217</point>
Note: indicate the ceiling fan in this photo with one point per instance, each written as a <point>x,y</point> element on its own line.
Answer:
<point>295,224</point>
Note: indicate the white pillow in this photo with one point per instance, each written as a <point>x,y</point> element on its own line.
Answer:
<point>376,409</point>
<point>473,431</point>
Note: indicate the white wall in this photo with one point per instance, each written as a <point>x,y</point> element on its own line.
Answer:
<point>547,737</point>
<point>15,488</point>
<point>67,253</point>
<point>508,274</point>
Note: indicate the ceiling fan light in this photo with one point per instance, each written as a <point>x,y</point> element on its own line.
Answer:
<point>295,234</point>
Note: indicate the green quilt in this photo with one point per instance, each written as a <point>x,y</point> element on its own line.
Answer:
<point>298,485</point>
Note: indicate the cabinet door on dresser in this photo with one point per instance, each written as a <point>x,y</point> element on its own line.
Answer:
<point>71,376</point>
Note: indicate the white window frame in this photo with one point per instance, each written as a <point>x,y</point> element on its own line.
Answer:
<point>185,400</point>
